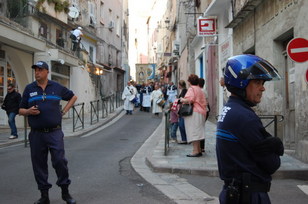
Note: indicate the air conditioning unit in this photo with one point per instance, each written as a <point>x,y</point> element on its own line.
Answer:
<point>111,25</point>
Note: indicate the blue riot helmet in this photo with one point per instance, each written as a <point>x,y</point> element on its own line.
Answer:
<point>241,69</point>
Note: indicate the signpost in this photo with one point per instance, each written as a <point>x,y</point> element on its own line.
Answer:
<point>206,26</point>
<point>298,49</point>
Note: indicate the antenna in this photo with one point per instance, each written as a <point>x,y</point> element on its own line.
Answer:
<point>73,12</point>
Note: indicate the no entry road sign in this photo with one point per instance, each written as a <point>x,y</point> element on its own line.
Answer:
<point>298,49</point>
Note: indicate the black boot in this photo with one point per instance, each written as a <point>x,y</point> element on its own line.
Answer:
<point>66,196</point>
<point>44,198</point>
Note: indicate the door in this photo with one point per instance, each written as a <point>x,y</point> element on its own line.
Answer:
<point>7,76</point>
<point>3,91</point>
<point>289,103</point>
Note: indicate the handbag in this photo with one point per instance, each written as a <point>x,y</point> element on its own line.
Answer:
<point>186,110</point>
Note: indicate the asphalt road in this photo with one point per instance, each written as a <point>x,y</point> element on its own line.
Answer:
<point>99,166</point>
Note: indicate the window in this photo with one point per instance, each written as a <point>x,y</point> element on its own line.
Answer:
<point>43,30</point>
<point>92,20</point>
<point>60,73</point>
<point>102,13</point>
<point>91,52</point>
<point>118,26</point>
<point>59,36</point>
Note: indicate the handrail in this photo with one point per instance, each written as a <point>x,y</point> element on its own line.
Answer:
<point>104,107</point>
<point>274,119</point>
<point>94,111</point>
<point>167,116</point>
<point>80,116</point>
<point>111,99</point>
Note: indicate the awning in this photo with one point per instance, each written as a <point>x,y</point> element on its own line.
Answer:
<point>19,39</point>
<point>217,7</point>
<point>244,12</point>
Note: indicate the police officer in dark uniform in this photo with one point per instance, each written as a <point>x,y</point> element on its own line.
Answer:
<point>247,154</point>
<point>41,103</point>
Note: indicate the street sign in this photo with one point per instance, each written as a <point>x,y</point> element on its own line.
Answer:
<point>298,49</point>
<point>206,26</point>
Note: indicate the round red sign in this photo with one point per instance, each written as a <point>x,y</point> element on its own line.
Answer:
<point>298,49</point>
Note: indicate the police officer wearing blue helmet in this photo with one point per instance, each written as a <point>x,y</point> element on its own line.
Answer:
<point>247,154</point>
<point>41,104</point>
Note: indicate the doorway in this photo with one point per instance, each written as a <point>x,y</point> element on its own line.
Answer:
<point>7,76</point>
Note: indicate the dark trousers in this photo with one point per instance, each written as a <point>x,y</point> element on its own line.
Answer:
<point>255,198</point>
<point>182,129</point>
<point>12,124</point>
<point>40,144</point>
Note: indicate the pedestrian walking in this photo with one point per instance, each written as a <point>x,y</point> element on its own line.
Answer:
<point>41,104</point>
<point>195,123</point>
<point>146,103</point>
<point>157,97</point>
<point>128,95</point>
<point>247,154</point>
<point>11,106</point>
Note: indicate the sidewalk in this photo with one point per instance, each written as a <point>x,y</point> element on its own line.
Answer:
<point>67,127</point>
<point>177,162</point>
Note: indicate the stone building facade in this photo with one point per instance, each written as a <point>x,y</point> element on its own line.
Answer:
<point>33,30</point>
<point>259,27</point>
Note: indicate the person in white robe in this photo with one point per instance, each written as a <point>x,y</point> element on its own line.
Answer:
<point>129,93</point>
<point>146,102</point>
<point>155,96</point>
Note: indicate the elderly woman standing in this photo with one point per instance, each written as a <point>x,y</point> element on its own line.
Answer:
<point>195,123</point>
<point>155,96</point>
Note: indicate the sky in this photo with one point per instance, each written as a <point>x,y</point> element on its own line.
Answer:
<point>139,12</point>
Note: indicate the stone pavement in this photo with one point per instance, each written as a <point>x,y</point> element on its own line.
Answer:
<point>177,162</point>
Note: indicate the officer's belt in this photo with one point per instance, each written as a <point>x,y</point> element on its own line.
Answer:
<point>254,187</point>
<point>47,129</point>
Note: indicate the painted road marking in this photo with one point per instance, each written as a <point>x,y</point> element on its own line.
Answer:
<point>304,188</point>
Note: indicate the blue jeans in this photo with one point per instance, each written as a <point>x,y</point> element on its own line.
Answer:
<point>12,124</point>
<point>173,128</point>
<point>182,129</point>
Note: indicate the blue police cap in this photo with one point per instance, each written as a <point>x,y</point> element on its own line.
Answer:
<point>40,64</point>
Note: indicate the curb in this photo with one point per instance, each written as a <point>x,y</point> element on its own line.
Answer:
<point>291,168</point>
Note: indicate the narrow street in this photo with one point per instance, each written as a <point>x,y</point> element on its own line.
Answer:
<point>99,166</point>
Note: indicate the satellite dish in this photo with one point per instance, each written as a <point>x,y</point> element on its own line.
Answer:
<point>73,13</point>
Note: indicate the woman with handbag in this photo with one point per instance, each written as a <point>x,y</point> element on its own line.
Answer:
<point>195,123</point>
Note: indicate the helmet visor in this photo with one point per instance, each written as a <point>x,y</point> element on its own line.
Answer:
<point>263,70</point>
